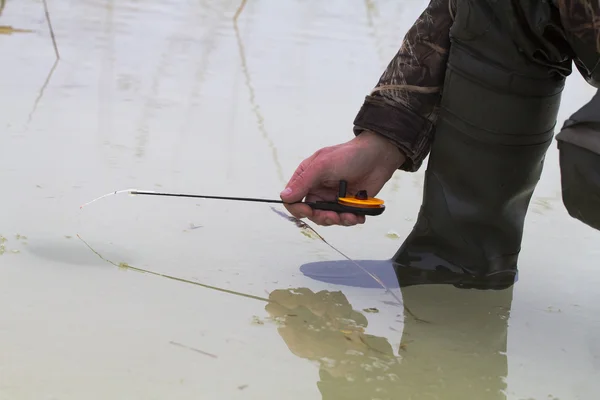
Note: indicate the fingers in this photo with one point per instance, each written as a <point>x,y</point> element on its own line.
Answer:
<point>324,218</point>
<point>329,218</point>
<point>299,211</point>
<point>308,178</point>
<point>303,180</point>
<point>349,219</point>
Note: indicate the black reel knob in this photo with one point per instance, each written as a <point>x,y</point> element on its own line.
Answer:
<point>362,195</point>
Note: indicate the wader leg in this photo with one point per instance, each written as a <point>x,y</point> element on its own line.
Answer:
<point>497,117</point>
<point>579,149</point>
<point>496,124</point>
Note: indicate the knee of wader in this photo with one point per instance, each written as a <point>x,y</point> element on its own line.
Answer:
<point>580,181</point>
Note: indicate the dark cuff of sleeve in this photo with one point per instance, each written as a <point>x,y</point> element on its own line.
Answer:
<point>407,130</point>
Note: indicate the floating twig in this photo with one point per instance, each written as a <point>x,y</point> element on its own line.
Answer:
<point>239,10</point>
<point>193,349</point>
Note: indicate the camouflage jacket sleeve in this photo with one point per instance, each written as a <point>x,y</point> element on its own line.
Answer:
<point>404,105</point>
<point>581,23</point>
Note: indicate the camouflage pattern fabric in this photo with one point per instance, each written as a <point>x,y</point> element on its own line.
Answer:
<point>404,104</point>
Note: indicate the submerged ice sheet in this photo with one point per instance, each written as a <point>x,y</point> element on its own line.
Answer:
<point>172,96</point>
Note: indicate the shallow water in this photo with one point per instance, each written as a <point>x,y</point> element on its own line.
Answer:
<point>171,96</point>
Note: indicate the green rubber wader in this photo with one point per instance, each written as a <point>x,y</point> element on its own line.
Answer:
<point>579,150</point>
<point>497,118</point>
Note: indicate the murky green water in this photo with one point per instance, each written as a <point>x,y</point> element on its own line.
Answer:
<point>173,96</point>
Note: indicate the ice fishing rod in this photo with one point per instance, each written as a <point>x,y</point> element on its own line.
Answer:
<point>359,204</point>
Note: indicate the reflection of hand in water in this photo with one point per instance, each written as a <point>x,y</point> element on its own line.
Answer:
<point>459,355</point>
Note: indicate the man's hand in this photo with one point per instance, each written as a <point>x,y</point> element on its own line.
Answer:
<point>366,162</point>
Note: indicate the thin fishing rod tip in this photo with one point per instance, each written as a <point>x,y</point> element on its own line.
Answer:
<point>106,195</point>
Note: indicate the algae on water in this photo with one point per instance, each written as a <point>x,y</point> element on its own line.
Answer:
<point>9,30</point>
<point>124,266</point>
<point>392,235</point>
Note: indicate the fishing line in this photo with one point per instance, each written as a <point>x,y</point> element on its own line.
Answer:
<point>375,277</point>
<point>299,223</point>
<point>127,266</point>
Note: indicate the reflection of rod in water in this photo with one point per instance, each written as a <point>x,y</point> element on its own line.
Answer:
<point>255,107</point>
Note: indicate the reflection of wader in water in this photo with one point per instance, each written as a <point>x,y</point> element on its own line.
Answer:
<point>459,352</point>
<point>498,112</point>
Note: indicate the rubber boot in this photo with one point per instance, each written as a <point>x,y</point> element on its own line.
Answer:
<point>579,149</point>
<point>497,118</point>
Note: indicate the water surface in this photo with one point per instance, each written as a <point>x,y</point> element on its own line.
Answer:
<point>173,96</point>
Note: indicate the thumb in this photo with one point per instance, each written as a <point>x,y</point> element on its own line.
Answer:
<point>303,180</point>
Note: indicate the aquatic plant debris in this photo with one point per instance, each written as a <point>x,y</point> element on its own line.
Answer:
<point>9,30</point>
<point>392,235</point>
<point>3,247</point>
<point>371,310</point>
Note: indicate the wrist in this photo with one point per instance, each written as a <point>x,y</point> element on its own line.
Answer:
<point>391,154</point>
